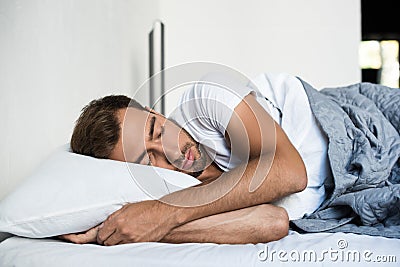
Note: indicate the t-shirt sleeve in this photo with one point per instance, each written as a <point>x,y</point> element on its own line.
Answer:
<point>217,96</point>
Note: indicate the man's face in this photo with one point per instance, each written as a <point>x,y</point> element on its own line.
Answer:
<point>149,138</point>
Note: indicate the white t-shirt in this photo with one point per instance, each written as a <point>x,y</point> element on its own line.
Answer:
<point>205,109</point>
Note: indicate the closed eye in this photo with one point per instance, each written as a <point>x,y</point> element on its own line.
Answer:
<point>161,132</point>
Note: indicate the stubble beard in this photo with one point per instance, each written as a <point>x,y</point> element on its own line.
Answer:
<point>198,164</point>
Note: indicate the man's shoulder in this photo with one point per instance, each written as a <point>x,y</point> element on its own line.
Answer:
<point>218,86</point>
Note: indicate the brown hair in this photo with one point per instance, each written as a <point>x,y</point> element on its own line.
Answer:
<point>97,130</point>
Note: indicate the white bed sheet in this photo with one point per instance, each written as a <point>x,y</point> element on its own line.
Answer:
<point>25,252</point>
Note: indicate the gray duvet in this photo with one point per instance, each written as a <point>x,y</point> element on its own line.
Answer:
<point>362,122</point>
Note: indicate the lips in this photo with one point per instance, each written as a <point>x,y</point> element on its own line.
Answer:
<point>189,159</point>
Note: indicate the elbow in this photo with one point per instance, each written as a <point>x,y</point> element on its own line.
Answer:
<point>281,224</point>
<point>278,226</point>
<point>300,174</point>
<point>292,170</point>
<point>302,181</point>
<point>295,178</point>
<point>299,177</point>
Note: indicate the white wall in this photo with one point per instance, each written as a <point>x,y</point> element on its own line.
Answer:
<point>314,39</point>
<point>56,56</point>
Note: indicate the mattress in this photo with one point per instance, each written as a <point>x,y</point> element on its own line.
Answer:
<point>317,249</point>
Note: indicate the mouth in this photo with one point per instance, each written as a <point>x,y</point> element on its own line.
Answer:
<point>189,159</point>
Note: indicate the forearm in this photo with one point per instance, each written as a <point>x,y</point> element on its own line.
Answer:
<point>256,224</point>
<point>230,193</point>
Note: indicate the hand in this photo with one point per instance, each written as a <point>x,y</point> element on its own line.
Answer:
<point>146,221</point>
<point>90,236</point>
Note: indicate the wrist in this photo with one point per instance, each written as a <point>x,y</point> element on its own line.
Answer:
<point>177,215</point>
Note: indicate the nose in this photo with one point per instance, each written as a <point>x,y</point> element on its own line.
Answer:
<point>163,148</point>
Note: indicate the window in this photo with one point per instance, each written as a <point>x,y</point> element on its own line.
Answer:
<point>379,61</point>
<point>379,49</point>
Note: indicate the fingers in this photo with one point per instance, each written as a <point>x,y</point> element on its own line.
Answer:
<point>76,238</point>
<point>83,238</point>
<point>112,240</point>
<point>108,228</point>
<point>105,233</point>
<point>64,237</point>
<point>102,234</point>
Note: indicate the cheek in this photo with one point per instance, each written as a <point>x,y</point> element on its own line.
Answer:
<point>184,138</point>
<point>173,142</point>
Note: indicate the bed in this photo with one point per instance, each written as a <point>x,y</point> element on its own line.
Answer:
<point>82,183</point>
<point>75,207</point>
<point>80,198</point>
<point>358,225</point>
<point>30,243</point>
<point>318,249</point>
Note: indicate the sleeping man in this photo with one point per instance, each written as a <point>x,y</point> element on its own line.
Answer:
<point>259,151</point>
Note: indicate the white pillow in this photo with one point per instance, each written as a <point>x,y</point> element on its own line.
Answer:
<point>71,193</point>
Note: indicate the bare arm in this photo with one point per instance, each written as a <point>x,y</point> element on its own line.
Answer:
<point>266,177</point>
<point>272,169</point>
<point>258,224</point>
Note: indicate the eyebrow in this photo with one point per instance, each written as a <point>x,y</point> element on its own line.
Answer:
<point>151,131</point>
